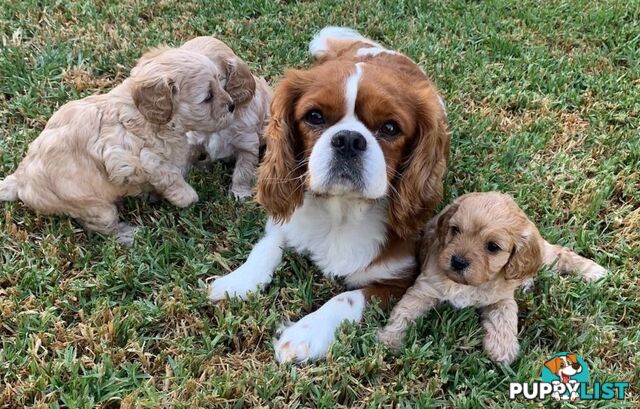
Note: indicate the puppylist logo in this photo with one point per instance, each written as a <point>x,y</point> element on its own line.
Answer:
<point>565,376</point>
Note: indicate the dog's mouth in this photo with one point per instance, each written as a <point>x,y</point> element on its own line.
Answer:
<point>457,277</point>
<point>565,378</point>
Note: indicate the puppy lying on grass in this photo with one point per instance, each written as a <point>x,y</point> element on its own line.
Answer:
<point>242,138</point>
<point>476,252</point>
<point>99,149</point>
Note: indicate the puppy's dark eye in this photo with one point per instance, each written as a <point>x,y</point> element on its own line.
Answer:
<point>390,129</point>
<point>209,97</point>
<point>492,247</point>
<point>314,117</point>
<point>455,230</point>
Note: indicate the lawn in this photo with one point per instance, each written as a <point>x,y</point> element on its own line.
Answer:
<point>543,103</point>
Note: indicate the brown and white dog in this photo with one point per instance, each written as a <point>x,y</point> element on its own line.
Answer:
<point>98,149</point>
<point>357,147</point>
<point>475,253</point>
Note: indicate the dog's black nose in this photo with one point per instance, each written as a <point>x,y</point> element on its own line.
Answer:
<point>459,263</point>
<point>575,366</point>
<point>232,107</point>
<point>349,143</point>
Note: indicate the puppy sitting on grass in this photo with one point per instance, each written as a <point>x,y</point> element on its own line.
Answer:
<point>476,252</point>
<point>96,150</point>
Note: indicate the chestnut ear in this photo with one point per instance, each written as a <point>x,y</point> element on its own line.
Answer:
<point>526,256</point>
<point>241,85</point>
<point>154,98</point>
<point>281,175</point>
<point>418,188</point>
<point>442,221</point>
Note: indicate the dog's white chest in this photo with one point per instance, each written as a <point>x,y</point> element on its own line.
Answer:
<point>341,236</point>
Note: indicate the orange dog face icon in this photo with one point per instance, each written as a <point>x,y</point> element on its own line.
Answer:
<point>564,367</point>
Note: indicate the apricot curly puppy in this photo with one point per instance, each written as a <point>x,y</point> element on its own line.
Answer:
<point>131,140</point>
<point>476,252</point>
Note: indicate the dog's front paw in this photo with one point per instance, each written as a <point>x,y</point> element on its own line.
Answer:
<point>310,338</point>
<point>503,351</point>
<point>241,192</point>
<point>184,197</point>
<point>235,284</point>
<point>391,339</point>
<point>125,234</point>
<point>306,340</point>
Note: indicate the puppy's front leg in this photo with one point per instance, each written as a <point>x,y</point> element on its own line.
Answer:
<point>256,271</point>
<point>417,301</point>
<point>500,320</point>
<point>167,179</point>
<point>244,173</point>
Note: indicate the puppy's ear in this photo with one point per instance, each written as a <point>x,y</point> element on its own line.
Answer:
<point>553,365</point>
<point>572,358</point>
<point>418,187</point>
<point>526,256</point>
<point>240,83</point>
<point>442,221</point>
<point>281,175</point>
<point>154,98</point>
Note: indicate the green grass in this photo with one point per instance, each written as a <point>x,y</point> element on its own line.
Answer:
<point>543,103</point>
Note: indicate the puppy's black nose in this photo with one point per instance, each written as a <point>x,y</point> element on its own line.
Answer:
<point>459,263</point>
<point>575,366</point>
<point>349,143</point>
<point>232,107</point>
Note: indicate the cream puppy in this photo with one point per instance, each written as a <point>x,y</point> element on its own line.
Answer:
<point>242,138</point>
<point>475,253</point>
<point>131,140</point>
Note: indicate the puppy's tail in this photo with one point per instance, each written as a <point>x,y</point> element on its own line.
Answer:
<point>332,41</point>
<point>9,189</point>
<point>566,261</point>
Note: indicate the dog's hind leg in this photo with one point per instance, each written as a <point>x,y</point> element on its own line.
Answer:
<point>103,218</point>
<point>565,261</point>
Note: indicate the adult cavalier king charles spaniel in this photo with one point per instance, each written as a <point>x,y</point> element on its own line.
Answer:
<point>357,148</point>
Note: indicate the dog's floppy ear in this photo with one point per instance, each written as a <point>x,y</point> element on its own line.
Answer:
<point>154,98</point>
<point>572,358</point>
<point>241,85</point>
<point>418,187</point>
<point>442,221</point>
<point>553,365</point>
<point>526,255</point>
<point>281,175</point>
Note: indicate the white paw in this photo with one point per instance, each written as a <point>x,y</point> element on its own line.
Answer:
<point>310,338</point>
<point>306,340</point>
<point>594,273</point>
<point>236,284</point>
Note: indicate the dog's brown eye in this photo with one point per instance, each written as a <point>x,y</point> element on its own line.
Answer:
<point>492,247</point>
<point>390,129</point>
<point>209,97</point>
<point>455,230</point>
<point>314,117</point>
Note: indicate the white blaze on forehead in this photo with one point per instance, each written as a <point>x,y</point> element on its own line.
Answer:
<point>351,92</point>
